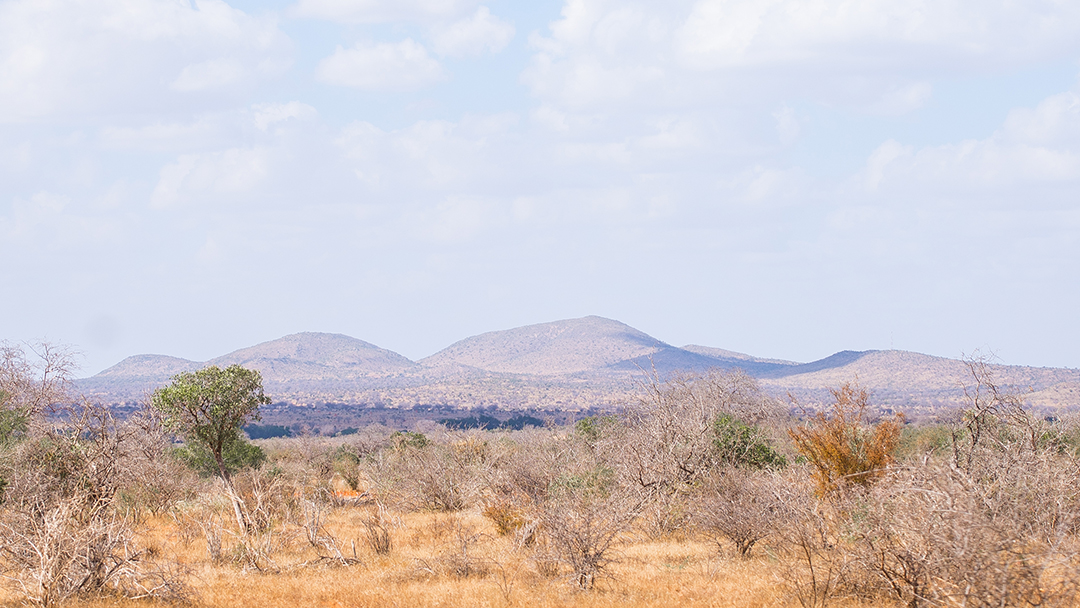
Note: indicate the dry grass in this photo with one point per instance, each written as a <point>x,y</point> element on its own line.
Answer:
<point>424,569</point>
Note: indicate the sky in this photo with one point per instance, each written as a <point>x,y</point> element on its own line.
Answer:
<point>785,178</point>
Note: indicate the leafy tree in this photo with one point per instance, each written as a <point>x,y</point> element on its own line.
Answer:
<point>210,407</point>
<point>745,445</point>
<point>237,455</point>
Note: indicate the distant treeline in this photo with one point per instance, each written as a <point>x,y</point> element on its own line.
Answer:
<point>484,421</point>
<point>267,431</point>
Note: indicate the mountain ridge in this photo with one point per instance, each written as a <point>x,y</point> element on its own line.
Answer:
<point>572,364</point>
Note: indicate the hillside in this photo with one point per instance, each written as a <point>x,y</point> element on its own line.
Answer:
<point>903,379</point>
<point>570,365</point>
<point>561,347</point>
<point>135,377</point>
<point>314,356</point>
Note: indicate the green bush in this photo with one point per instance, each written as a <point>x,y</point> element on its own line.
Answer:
<point>409,439</point>
<point>745,445</point>
<point>238,454</point>
<point>592,428</point>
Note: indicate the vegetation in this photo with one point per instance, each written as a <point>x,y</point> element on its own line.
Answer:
<point>210,407</point>
<point>703,492</point>
<point>843,448</point>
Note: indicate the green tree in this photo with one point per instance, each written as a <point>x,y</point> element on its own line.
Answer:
<point>210,407</point>
<point>745,445</point>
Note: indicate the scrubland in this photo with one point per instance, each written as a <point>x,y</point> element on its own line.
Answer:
<point>703,492</point>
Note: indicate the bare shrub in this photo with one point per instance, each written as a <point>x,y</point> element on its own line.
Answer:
<point>669,437</point>
<point>154,480</point>
<point>459,556</point>
<point>583,528</point>
<point>444,476</point>
<point>743,507</point>
<point>61,533</point>
<point>931,535</point>
<point>377,528</point>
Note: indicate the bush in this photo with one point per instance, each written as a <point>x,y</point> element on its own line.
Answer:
<point>238,455</point>
<point>842,448</point>
<point>745,445</point>
<point>743,507</point>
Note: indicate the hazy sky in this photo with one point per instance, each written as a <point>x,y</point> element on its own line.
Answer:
<point>787,178</point>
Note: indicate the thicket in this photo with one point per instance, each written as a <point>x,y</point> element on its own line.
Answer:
<point>978,509</point>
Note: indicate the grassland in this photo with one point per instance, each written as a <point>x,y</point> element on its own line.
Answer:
<point>425,568</point>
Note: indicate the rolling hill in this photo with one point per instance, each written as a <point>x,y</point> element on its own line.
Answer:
<point>574,364</point>
<point>572,346</point>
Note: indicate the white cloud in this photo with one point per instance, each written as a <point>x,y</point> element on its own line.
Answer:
<point>787,125</point>
<point>382,11</point>
<point>111,55</point>
<point>267,114</point>
<point>402,66</point>
<point>875,55</point>
<point>472,36</point>
<point>1056,120</point>
<point>208,74</point>
<point>236,171</point>
<point>1035,148</point>
<point>901,99</point>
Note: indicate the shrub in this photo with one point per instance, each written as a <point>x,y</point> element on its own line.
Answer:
<point>843,448</point>
<point>745,445</point>
<point>742,507</point>
<point>238,454</point>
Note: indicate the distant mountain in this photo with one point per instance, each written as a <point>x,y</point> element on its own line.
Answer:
<point>135,377</point>
<point>905,380</point>
<point>574,364</point>
<point>755,366</point>
<point>329,365</point>
<point>562,347</point>
<point>314,356</point>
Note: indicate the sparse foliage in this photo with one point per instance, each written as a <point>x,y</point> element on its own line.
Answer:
<point>842,447</point>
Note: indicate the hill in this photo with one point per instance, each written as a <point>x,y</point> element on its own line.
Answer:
<point>572,346</point>
<point>570,365</point>
<point>314,356</point>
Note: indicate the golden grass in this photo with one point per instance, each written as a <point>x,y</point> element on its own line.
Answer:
<point>419,571</point>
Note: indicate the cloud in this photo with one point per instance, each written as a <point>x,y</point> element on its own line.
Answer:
<point>109,56</point>
<point>382,11</point>
<point>1055,121</point>
<point>473,36</point>
<point>267,114</point>
<point>402,66</point>
<point>209,74</point>
<point>1036,148</point>
<point>878,56</point>
<point>192,177</point>
<point>902,99</point>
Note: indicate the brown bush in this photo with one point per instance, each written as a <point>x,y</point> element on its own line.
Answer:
<point>842,447</point>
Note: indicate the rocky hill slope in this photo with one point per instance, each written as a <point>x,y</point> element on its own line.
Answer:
<point>573,364</point>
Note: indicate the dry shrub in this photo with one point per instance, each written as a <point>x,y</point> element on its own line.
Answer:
<point>377,528</point>
<point>507,516</point>
<point>931,535</point>
<point>583,529</point>
<point>819,568</point>
<point>443,476</point>
<point>61,534</point>
<point>995,524</point>
<point>743,507</point>
<point>843,448</point>
<point>669,438</point>
<point>155,480</point>
<point>459,555</point>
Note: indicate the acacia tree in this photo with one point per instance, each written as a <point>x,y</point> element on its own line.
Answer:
<point>209,407</point>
